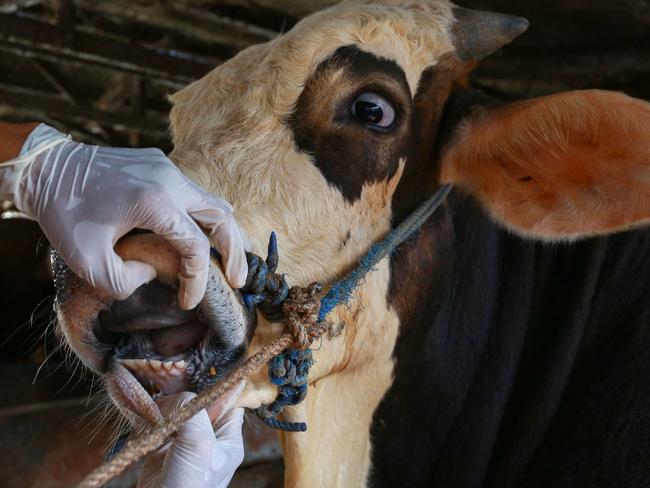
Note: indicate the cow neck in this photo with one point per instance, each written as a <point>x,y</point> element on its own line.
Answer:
<point>290,391</point>
<point>341,291</point>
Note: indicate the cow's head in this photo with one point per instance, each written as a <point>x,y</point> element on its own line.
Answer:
<point>330,134</point>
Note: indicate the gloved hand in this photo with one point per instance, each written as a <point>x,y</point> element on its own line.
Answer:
<point>198,457</point>
<point>85,198</point>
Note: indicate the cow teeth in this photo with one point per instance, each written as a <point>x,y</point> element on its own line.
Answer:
<point>155,366</point>
<point>133,364</point>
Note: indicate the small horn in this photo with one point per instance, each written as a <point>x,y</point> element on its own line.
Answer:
<point>478,34</point>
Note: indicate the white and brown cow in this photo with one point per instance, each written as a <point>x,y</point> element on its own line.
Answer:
<point>472,356</point>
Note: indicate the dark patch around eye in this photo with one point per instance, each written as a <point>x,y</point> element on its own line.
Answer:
<point>347,153</point>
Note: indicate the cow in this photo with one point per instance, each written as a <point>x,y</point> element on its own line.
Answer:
<point>506,344</point>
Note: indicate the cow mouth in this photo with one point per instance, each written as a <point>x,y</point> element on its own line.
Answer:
<point>147,345</point>
<point>157,348</point>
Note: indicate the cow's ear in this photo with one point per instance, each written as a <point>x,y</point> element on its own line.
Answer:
<point>558,167</point>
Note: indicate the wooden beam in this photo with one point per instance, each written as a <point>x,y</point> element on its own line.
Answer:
<point>296,8</point>
<point>199,25</point>
<point>534,73</point>
<point>36,38</point>
<point>53,80</point>
<point>41,105</point>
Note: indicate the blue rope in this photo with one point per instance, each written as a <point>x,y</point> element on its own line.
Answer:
<point>342,290</point>
<point>289,372</point>
<point>290,369</point>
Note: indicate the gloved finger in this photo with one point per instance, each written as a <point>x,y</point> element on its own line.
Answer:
<point>173,468</point>
<point>228,430</point>
<point>229,241</point>
<point>248,245</point>
<point>194,250</point>
<point>118,278</point>
<point>197,457</point>
<point>105,270</point>
<point>229,449</point>
<point>197,430</point>
<point>225,403</point>
<point>151,469</point>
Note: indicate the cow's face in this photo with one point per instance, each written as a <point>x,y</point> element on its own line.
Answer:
<point>311,135</point>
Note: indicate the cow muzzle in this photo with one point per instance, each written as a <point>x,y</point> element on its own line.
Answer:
<point>147,345</point>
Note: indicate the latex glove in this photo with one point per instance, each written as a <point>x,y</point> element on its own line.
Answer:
<point>85,198</point>
<point>198,457</point>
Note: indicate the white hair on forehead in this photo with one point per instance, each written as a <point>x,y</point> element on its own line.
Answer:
<point>412,33</point>
<point>268,78</point>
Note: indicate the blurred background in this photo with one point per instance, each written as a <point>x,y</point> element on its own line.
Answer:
<point>101,70</point>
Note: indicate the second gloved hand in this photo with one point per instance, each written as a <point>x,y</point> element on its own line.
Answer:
<point>198,457</point>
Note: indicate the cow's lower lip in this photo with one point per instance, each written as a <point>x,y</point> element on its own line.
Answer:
<point>129,394</point>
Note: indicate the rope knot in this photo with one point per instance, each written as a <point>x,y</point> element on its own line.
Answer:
<point>264,288</point>
<point>291,367</point>
<point>289,371</point>
<point>295,366</point>
<point>301,309</point>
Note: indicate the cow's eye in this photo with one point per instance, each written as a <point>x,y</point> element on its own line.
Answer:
<point>374,110</point>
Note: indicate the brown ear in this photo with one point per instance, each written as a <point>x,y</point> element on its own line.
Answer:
<point>558,167</point>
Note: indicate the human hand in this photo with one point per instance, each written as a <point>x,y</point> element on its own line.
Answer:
<point>198,457</point>
<point>87,197</point>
